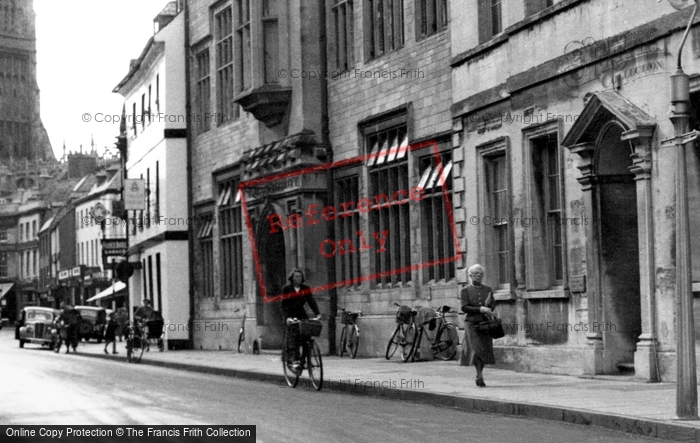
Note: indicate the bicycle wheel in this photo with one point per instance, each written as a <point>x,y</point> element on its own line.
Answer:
<point>415,345</point>
<point>393,345</point>
<point>315,366</point>
<point>447,342</point>
<point>291,376</point>
<point>409,337</point>
<point>343,340</point>
<point>241,339</point>
<point>353,341</point>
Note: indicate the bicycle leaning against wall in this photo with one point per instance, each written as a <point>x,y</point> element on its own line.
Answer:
<point>444,345</point>
<point>350,337</point>
<point>405,333</point>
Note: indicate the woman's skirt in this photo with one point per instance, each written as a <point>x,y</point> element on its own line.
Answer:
<point>476,343</point>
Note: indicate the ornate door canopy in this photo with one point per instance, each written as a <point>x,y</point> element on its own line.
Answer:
<point>602,108</point>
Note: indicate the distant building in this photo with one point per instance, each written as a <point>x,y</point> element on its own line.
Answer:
<point>22,134</point>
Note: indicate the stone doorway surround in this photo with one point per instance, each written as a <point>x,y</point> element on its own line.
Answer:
<point>601,109</point>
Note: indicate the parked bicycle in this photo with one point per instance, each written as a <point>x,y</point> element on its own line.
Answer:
<point>444,345</point>
<point>405,333</point>
<point>136,341</point>
<point>241,335</point>
<point>350,337</point>
<point>310,355</point>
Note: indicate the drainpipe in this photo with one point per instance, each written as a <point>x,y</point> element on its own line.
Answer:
<point>190,209</point>
<point>326,141</point>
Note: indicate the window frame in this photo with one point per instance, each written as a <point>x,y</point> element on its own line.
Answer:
<point>488,245</point>
<point>231,237</point>
<point>437,244</point>
<point>203,89</point>
<point>487,28</point>
<point>390,34</point>
<point>426,8</point>
<point>344,36</point>
<point>349,266</point>
<point>539,272</point>
<point>397,213</point>
<point>226,109</point>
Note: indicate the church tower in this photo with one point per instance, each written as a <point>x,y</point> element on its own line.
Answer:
<point>22,134</point>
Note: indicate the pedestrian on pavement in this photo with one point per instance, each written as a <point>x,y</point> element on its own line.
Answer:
<point>122,320</point>
<point>478,303</point>
<point>111,333</point>
<point>144,311</point>
<point>295,295</point>
<point>71,319</point>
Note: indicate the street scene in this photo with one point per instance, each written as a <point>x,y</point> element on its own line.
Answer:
<point>414,218</point>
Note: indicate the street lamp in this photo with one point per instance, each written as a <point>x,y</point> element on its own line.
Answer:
<point>686,387</point>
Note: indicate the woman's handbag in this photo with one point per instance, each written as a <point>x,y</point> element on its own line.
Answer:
<point>493,327</point>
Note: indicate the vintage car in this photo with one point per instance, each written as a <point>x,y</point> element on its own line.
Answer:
<point>93,322</point>
<point>36,325</point>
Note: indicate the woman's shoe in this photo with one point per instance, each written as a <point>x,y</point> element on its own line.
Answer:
<point>480,382</point>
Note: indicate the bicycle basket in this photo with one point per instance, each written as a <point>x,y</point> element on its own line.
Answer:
<point>404,315</point>
<point>310,328</point>
<point>344,317</point>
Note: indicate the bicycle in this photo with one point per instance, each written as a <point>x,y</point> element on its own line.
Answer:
<point>350,337</point>
<point>241,335</point>
<point>136,341</point>
<point>405,333</point>
<point>444,345</point>
<point>310,355</point>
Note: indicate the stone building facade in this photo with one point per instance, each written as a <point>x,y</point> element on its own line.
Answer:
<point>389,100</point>
<point>252,118</point>
<point>561,109</point>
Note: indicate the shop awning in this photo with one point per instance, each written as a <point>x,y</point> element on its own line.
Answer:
<point>112,290</point>
<point>5,288</point>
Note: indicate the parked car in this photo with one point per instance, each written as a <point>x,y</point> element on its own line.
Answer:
<point>93,323</point>
<point>36,325</point>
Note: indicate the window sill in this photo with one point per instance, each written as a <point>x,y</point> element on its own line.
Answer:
<point>503,295</point>
<point>427,36</point>
<point>551,293</point>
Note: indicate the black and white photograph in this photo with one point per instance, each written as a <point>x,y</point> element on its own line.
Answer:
<point>349,220</point>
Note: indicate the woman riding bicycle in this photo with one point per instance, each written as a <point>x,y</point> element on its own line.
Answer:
<point>295,295</point>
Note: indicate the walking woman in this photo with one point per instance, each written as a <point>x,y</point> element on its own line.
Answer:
<point>478,303</point>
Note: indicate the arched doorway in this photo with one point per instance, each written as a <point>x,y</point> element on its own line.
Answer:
<point>619,247</point>
<point>271,253</point>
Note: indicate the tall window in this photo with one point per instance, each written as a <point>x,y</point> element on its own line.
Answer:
<point>3,264</point>
<point>383,27</point>
<point>437,236</point>
<point>224,66</point>
<point>490,19</point>
<point>349,264</point>
<point>388,173</point>
<point>343,13</point>
<point>3,235</point>
<point>431,17</point>
<point>231,240</point>
<point>535,6</point>
<point>243,47</point>
<point>203,91</point>
<point>270,42</point>
<point>143,111</point>
<point>546,200</point>
<point>156,208</point>
<point>134,119</point>
<point>33,228</point>
<point>498,209</point>
<point>206,246</point>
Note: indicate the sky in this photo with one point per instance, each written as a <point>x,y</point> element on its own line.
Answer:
<point>83,51</point>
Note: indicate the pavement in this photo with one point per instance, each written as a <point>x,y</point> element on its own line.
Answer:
<point>618,403</point>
